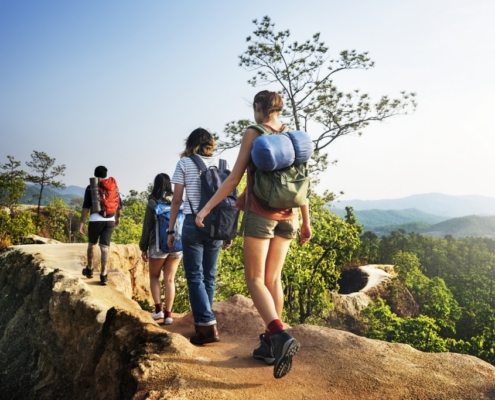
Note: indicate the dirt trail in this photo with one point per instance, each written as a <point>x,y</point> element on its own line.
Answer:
<point>227,370</point>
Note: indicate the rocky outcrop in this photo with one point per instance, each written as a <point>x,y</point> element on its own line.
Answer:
<point>360,285</point>
<point>64,337</point>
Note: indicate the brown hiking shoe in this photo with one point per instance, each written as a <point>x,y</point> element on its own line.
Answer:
<point>205,334</point>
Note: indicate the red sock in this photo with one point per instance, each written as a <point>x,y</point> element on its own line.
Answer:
<point>273,327</point>
<point>168,314</point>
<point>158,308</point>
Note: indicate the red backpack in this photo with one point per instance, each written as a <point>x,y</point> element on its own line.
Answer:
<point>109,196</point>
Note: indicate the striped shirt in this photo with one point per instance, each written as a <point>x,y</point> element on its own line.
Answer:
<point>187,174</point>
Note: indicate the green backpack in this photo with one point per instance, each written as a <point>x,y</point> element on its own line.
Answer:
<point>283,188</point>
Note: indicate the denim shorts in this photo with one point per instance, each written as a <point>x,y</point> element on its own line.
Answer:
<point>266,228</point>
<point>157,253</point>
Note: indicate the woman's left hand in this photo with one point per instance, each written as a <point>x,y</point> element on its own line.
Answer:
<point>200,216</point>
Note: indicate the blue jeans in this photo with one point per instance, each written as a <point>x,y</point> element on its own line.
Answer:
<point>200,255</point>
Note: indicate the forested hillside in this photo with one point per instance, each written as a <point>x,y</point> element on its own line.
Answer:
<point>473,225</point>
<point>384,222</point>
<point>453,281</point>
<point>374,219</point>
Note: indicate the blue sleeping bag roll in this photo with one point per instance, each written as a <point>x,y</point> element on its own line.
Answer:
<point>277,151</point>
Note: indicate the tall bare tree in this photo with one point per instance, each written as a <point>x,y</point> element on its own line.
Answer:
<point>304,73</point>
<point>43,166</point>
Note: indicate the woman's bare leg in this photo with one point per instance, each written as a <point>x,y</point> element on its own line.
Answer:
<point>279,246</point>
<point>263,261</point>
<point>155,270</point>
<point>169,271</point>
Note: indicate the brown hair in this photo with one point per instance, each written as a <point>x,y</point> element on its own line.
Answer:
<point>270,102</point>
<point>200,142</point>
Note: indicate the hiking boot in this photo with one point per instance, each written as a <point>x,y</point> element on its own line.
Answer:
<point>103,280</point>
<point>88,273</point>
<point>157,315</point>
<point>205,334</point>
<point>284,347</point>
<point>264,352</point>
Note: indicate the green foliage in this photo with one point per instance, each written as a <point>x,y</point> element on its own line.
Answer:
<point>137,197</point>
<point>144,304</point>
<point>12,186</point>
<point>181,301</point>
<point>44,173</point>
<point>14,228</point>
<point>483,345</point>
<point>312,271</point>
<point>57,214</point>
<point>369,247</point>
<point>131,221</point>
<point>407,267</point>
<point>453,281</point>
<point>127,232</point>
<point>421,333</point>
<point>230,272</point>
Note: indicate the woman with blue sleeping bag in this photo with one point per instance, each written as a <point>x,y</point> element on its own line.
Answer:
<point>281,174</point>
<point>267,230</point>
<point>152,248</point>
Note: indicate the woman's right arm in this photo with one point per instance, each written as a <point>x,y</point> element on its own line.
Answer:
<point>174,210</point>
<point>235,176</point>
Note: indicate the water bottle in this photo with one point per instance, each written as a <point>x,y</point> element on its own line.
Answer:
<point>95,194</point>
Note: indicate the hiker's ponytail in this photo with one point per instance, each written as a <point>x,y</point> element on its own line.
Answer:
<point>270,102</point>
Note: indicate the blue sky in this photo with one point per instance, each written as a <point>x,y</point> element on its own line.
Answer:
<point>122,83</point>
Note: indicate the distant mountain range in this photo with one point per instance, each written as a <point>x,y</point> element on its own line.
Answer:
<point>377,218</point>
<point>67,194</point>
<point>431,214</point>
<point>432,203</point>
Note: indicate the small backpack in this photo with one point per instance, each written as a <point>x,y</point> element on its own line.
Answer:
<point>109,197</point>
<point>221,222</point>
<point>283,188</point>
<point>162,221</point>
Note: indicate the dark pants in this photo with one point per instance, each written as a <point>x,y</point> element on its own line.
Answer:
<point>102,230</point>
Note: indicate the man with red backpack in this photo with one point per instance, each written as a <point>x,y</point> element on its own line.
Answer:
<point>102,201</point>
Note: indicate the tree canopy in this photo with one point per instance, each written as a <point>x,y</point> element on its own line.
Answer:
<point>44,173</point>
<point>303,72</point>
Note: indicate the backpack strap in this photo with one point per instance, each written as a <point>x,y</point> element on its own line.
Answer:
<point>157,234</point>
<point>265,131</point>
<point>199,162</point>
<point>260,128</point>
<point>202,167</point>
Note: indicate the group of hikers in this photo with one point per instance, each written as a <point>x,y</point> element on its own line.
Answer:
<point>267,233</point>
